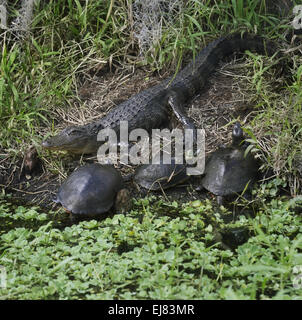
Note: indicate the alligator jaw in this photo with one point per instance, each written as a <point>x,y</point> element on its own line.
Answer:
<point>72,139</point>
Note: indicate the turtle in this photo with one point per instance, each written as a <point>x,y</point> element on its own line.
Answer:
<point>228,171</point>
<point>92,190</point>
<point>160,176</point>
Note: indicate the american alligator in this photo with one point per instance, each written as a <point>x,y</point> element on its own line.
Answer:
<point>151,108</point>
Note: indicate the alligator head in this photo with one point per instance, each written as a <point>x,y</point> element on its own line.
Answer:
<point>73,139</point>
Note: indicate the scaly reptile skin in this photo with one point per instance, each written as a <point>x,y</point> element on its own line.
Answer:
<point>149,109</point>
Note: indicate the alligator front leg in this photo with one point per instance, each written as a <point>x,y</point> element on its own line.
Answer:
<point>176,102</point>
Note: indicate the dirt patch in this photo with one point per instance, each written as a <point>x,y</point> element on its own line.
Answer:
<point>221,101</point>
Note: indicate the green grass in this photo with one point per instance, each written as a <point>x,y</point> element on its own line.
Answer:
<point>71,39</point>
<point>159,250</point>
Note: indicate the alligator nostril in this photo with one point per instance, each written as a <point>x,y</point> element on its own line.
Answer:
<point>45,144</point>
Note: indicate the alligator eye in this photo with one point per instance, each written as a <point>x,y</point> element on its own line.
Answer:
<point>72,131</point>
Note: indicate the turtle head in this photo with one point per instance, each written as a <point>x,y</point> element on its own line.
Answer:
<point>74,139</point>
<point>237,134</point>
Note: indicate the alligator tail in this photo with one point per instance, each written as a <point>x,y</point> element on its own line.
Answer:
<point>194,76</point>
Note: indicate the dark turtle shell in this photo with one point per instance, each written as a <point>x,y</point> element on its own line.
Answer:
<point>160,176</point>
<point>228,171</point>
<point>90,190</point>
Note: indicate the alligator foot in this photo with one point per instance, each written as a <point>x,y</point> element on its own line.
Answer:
<point>175,101</point>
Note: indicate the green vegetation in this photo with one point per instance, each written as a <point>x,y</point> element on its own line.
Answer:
<point>160,250</point>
